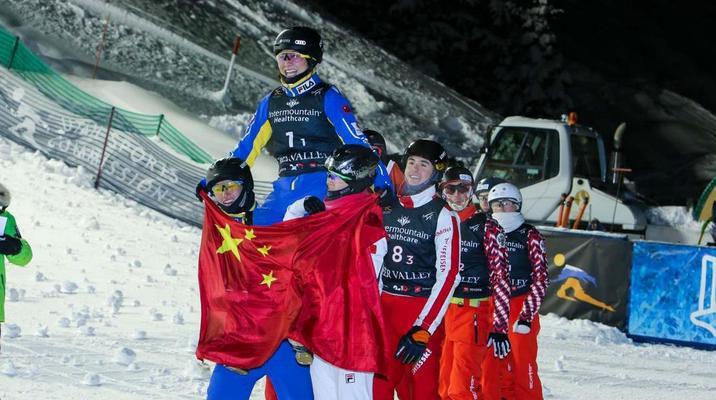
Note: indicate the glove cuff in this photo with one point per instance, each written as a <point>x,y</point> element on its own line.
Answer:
<point>420,336</point>
<point>521,327</point>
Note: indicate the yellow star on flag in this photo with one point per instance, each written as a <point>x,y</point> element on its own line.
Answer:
<point>264,250</point>
<point>230,243</point>
<point>268,279</point>
<point>249,234</point>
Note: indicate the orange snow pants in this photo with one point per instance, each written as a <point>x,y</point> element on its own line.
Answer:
<point>514,378</point>
<point>417,381</point>
<point>466,329</point>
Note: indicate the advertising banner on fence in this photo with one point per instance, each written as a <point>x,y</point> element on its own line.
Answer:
<point>673,293</point>
<point>134,165</point>
<point>589,276</point>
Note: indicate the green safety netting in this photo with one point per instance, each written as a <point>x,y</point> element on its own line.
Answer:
<point>19,59</point>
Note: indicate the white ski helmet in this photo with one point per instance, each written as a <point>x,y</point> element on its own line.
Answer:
<point>505,191</point>
<point>4,196</point>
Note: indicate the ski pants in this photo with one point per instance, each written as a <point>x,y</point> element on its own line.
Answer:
<point>286,190</point>
<point>335,383</point>
<point>417,381</point>
<point>466,328</point>
<point>291,380</point>
<point>516,376</point>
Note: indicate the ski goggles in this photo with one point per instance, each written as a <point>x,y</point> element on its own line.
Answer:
<point>332,175</point>
<point>289,56</point>
<point>502,203</point>
<point>459,188</point>
<point>228,187</point>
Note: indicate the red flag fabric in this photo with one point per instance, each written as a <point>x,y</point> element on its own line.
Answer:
<point>253,281</point>
<point>340,319</point>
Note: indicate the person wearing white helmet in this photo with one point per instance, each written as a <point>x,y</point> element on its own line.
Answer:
<point>528,281</point>
<point>12,246</point>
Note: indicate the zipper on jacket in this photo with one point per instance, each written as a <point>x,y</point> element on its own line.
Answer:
<point>474,325</point>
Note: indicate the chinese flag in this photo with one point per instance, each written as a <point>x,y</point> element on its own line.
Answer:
<point>311,277</point>
<point>340,319</point>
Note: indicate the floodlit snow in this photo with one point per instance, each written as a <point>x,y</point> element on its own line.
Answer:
<point>110,308</point>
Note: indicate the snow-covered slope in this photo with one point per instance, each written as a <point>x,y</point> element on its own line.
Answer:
<point>180,49</point>
<point>108,309</point>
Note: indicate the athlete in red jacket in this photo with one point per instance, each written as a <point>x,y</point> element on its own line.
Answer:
<point>483,275</point>
<point>419,275</point>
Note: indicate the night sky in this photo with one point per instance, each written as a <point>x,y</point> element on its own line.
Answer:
<point>587,56</point>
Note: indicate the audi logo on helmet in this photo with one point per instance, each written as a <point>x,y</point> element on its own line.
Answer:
<point>300,42</point>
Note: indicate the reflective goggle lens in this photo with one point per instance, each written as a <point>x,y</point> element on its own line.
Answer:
<point>451,189</point>
<point>502,203</point>
<point>218,190</point>
<point>334,176</point>
<point>287,56</point>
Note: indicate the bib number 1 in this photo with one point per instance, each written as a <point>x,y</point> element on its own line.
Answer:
<point>290,140</point>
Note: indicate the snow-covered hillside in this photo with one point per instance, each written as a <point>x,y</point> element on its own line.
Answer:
<point>181,49</point>
<point>108,309</point>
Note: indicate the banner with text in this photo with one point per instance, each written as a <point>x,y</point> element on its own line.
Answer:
<point>134,165</point>
<point>589,276</point>
<point>673,293</point>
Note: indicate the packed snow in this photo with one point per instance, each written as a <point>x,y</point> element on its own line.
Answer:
<point>109,308</point>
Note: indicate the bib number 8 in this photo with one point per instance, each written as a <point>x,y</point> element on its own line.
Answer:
<point>397,255</point>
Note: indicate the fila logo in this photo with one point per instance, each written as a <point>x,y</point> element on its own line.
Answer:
<point>429,216</point>
<point>301,42</point>
<point>351,378</point>
<point>306,86</point>
<point>292,103</point>
<point>404,220</point>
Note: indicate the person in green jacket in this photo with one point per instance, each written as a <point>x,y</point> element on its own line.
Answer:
<point>12,245</point>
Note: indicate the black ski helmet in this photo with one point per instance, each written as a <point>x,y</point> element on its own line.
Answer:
<point>485,184</point>
<point>429,150</point>
<point>301,39</point>
<point>377,142</point>
<point>234,169</point>
<point>457,174</point>
<point>355,165</point>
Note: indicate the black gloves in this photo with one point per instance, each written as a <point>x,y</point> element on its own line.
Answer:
<point>386,198</point>
<point>313,204</point>
<point>9,245</point>
<point>412,345</point>
<point>501,344</point>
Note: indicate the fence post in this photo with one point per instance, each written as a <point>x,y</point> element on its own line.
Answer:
<point>104,148</point>
<point>14,50</point>
<point>100,47</point>
<point>159,125</point>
